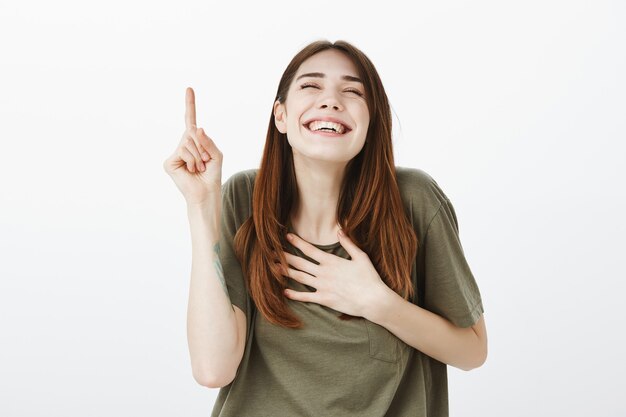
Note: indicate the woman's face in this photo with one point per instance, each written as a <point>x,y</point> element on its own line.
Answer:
<point>331,91</point>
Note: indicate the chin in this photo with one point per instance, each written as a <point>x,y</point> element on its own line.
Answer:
<point>324,149</point>
<point>323,155</point>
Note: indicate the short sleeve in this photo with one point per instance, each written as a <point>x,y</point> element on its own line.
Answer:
<point>450,289</point>
<point>235,210</point>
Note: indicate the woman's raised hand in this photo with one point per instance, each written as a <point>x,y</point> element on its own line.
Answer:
<point>196,164</point>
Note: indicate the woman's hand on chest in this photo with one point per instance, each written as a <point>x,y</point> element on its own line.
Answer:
<point>346,285</point>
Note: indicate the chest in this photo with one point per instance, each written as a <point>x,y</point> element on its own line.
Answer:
<point>323,335</point>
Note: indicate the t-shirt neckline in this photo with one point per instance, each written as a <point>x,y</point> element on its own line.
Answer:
<point>328,246</point>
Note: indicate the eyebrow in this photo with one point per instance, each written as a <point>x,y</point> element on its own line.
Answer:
<point>322,75</point>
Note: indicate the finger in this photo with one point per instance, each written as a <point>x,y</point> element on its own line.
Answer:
<point>301,277</point>
<point>307,248</point>
<point>209,146</point>
<point>305,296</point>
<point>353,250</point>
<point>202,143</point>
<point>302,264</point>
<point>190,108</point>
<point>186,156</point>
<point>190,145</point>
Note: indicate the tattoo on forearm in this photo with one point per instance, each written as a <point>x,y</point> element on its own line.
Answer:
<point>220,272</point>
<point>218,267</point>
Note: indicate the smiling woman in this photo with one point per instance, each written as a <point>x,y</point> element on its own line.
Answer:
<point>349,287</point>
<point>298,115</point>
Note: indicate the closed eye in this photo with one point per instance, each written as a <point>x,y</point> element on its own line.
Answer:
<point>357,92</point>
<point>303,86</point>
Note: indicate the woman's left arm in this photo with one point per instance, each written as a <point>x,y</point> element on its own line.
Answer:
<point>463,348</point>
<point>354,287</point>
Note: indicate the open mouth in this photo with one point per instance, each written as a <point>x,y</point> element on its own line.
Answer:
<point>324,128</point>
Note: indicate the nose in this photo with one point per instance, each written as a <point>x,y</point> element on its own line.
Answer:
<point>330,100</point>
<point>336,107</point>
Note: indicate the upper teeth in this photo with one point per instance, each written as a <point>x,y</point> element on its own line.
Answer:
<point>318,124</point>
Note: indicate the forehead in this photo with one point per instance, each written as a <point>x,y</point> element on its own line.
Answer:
<point>333,63</point>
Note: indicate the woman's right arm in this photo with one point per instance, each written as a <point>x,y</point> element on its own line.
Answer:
<point>216,329</point>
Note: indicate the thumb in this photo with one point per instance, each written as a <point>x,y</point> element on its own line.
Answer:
<point>353,250</point>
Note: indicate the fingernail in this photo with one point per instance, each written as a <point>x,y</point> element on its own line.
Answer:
<point>205,156</point>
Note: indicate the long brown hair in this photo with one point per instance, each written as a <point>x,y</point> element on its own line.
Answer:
<point>369,210</point>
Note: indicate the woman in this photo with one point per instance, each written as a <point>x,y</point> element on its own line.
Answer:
<point>359,311</point>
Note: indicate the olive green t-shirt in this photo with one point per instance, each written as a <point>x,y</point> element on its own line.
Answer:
<point>333,367</point>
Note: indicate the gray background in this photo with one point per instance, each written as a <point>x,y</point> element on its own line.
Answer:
<point>517,109</point>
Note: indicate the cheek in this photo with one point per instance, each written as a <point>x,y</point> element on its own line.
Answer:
<point>365,116</point>
<point>364,121</point>
<point>360,113</point>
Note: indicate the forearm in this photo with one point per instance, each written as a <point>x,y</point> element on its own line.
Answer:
<point>426,331</point>
<point>211,323</point>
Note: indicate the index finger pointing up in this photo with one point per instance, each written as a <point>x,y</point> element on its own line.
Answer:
<point>190,108</point>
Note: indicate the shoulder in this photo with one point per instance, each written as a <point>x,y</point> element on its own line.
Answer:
<point>417,184</point>
<point>245,176</point>
<point>421,194</point>
<point>237,195</point>
<point>240,182</point>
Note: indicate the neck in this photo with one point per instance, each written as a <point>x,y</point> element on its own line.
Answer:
<point>314,217</point>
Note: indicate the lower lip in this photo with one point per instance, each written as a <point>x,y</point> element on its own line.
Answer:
<point>323,133</point>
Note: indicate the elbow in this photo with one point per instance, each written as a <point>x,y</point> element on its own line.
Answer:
<point>477,363</point>
<point>212,380</point>
<point>216,373</point>
<point>480,351</point>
